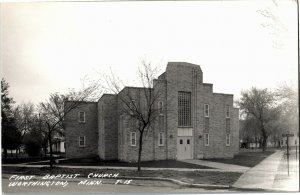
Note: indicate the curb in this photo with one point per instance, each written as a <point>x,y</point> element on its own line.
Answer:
<point>263,190</point>
<point>251,189</point>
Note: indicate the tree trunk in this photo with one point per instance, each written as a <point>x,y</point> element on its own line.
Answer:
<point>264,141</point>
<point>17,153</point>
<point>140,150</point>
<point>45,150</point>
<point>5,152</point>
<point>51,155</point>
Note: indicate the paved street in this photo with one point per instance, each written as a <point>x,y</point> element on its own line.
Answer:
<point>270,174</point>
<point>107,187</point>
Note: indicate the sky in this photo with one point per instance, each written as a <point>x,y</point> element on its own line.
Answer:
<point>49,47</point>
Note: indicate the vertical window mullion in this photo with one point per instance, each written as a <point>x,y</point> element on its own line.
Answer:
<point>184,108</point>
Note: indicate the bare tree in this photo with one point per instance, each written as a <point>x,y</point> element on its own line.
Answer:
<point>260,104</point>
<point>54,110</point>
<point>140,109</point>
<point>24,114</point>
<point>250,130</point>
<point>287,97</point>
<point>274,22</point>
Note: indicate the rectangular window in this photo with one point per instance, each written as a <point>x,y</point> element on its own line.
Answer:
<point>184,109</point>
<point>160,106</point>
<point>160,139</point>
<point>206,139</point>
<point>131,123</point>
<point>227,139</point>
<point>161,122</point>
<point>228,125</point>
<point>81,141</point>
<point>227,111</point>
<point>206,110</point>
<point>81,117</point>
<point>121,130</point>
<point>180,141</point>
<point>206,125</point>
<point>133,138</point>
<point>187,141</point>
<point>132,107</point>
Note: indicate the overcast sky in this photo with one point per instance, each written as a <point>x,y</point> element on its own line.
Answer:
<point>47,47</point>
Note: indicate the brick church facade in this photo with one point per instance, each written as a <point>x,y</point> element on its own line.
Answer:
<point>193,122</point>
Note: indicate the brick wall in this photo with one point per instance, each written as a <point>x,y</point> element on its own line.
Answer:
<point>181,77</point>
<point>217,128</point>
<point>127,124</point>
<point>108,134</point>
<point>74,129</point>
<point>108,127</point>
<point>188,77</point>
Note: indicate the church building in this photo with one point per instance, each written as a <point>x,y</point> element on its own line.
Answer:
<point>192,121</point>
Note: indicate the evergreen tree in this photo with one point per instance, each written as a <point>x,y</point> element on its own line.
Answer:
<point>10,133</point>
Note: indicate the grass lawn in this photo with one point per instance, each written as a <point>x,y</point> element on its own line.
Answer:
<point>246,157</point>
<point>157,164</point>
<point>196,177</point>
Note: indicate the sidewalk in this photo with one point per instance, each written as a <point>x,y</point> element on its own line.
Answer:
<point>284,180</point>
<point>219,166</point>
<point>262,176</point>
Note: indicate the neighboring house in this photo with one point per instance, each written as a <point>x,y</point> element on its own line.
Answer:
<point>58,144</point>
<point>194,122</point>
<point>293,141</point>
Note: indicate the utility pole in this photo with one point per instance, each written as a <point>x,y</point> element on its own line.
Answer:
<point>287,135</point>
<point>296,147</point>
<point>287,154</point>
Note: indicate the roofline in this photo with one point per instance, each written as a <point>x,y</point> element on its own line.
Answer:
<point>129,87</point>
<point>187,63</point>
<point>223,94</point>
<point>87,102</point>
<point>106,94</point>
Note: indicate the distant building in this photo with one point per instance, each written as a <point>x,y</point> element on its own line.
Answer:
<point>194,122</point>
<point>58,144</point>
<point>292,141</point>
